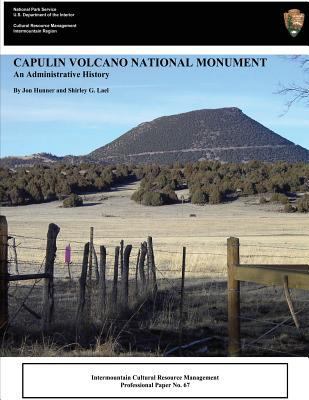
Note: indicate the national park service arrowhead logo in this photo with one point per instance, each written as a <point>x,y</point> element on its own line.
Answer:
<point>294,21</point>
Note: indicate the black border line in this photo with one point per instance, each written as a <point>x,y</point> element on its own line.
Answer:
<point>161,397</point>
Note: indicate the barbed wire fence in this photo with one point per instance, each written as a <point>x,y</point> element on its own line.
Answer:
<point>203,295</point>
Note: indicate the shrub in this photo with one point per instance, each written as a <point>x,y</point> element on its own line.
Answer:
<point>289,208</point>
<point>249,188</point>
<point>274,197</point>
<point>161,181</point>
<point>138,195</point>
<point>73,201</point>
<point>260,187</point>
<point>49,196</point>
<point>199,197</point>
<point>35,192</point>
<point>169,196</point>
<point>284,200</point>
<point>303,204</point>
<point>215,196</point>
<point>280,198</point>
<point>153,199</point>
<point>263,200</point>
<point>17,196</point>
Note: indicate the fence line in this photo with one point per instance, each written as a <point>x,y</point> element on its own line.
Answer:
<point>288,276</point>
<point>138,276</point>
<point>11,319</point>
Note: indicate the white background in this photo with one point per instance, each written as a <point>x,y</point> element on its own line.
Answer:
<point>236,380</point>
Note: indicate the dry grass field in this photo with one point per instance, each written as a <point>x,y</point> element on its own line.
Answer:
<point>267,236</point>
<point>115,217</point>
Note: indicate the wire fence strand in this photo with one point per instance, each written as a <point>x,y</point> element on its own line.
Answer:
<point>205,286</point>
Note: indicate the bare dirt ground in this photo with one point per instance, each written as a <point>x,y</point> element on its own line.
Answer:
<point>267,235</point>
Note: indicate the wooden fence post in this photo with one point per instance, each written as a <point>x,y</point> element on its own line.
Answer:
<point>115,281</point>
<point>102,282</point>
<point>152,265</point>
<point>125,277</point>
<point>289,301</point>
<point>96,265</point>
<point>90,253</point>
<point>233,287</point>
<point>48,293</point>
<point>121,256</point>
<point>136,272</point>
<point>15,255</point>
<point>182,289</point>
<point>82,286</point>
<point>141,265</point>
<point>4,312</point>
<point>148,267</point>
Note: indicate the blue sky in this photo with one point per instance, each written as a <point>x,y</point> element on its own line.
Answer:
<point>77,124</point>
